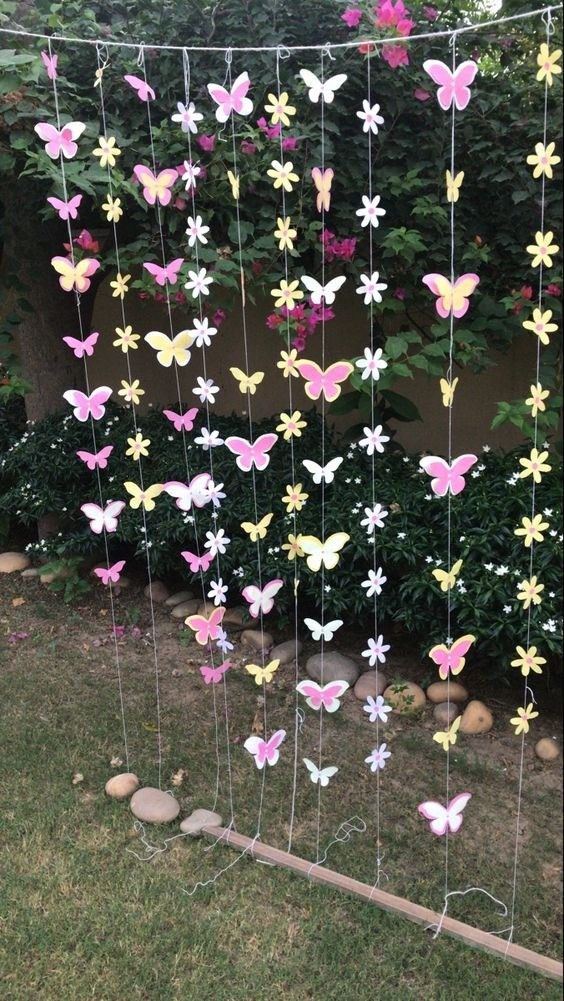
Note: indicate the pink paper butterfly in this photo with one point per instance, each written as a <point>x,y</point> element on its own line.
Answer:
<point>93,459</point>
<point>447,477</point>
<point>88,406</point>
<point>187,494</point>
<point>50,64</point>
<point>451,659</point>
<point>85,347</point>
<point>263,750</point>
<point>66,210</point>
<point>452,86</point>
<point>234,100</point>
<point>156,186</point>
<point>452,298</point>
<point>103,518</point>
<point>326,382</point>
<point>262,600</point>
<point>111,573</point>
<point>167,274</point>
<point>197,563</point>
<point>182,422</point>
<point>251,455</point>
<point>443,819</point>
<point>212,675</point>
<point>323,180</point>
<point>59,141</point>
<point>144,92</point>
<point>206,629</point>
<point>75,276</point>
<point>327,695</point>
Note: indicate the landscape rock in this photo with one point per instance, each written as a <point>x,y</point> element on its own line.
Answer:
<point>336,667</point>
<point>198,819</point>
<point>445,713</point>
<point>366,686</point>
<point>156,590</point>
<point>62,573</point>
<point>122,786</point>
<point>178,597</point>
<point>405,697</point>
<point>153,806</point>
<point>123,583</point>
<point>234,618</point>
<point>547,749</point>
<point>286,652</point>
<point>476,718</point>
<point>185,608</point>
<point>30,572</point>
<point>10,562</point>
<point>440,691</point>
<point>256,640</point>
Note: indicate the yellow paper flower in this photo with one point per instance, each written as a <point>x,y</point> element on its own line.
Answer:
<point>112,208</point>
<point>546,61</point>
<point>537,398</point>
<point>532,530</point>
<point>541,325</point>
<point>126,339</point>
<point>131,392</point>
<point>535,465</point>
<point>120,286</point>
<point>279,109</point>
<point>542,249</point>
<point>107,151</point>
<point>293,547</point>
<point>288,364</point>
<point>529,592</point>
<point>138,446</point>
<point>528,660</point>
<point>521,720</point>
<point>288,294</point>
<point>285,234</point>
<point>294,498</point>
<point>283,174</point>
<point>543,160</point>
<point>291,425</point>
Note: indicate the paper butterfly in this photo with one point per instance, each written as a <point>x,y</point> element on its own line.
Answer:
<point>103,518</point>
<point>144,92</point>
<point>88,406</point>
<point>145,496</point>
<point>235,182</point>
<point>447,391</point>
<point>320,775</point>
<point>447,477</point>
<point>261,674</point>
<point>167,274</point>
<point>194,493</point>
<point>447,738</point>
<point>263,750</point>
<point>85,347</point>
<point>170,349</point>
<point>326,472</point>
<point>251,455</point>
<point>247,383</point>
<point>206,628</point>
<point>182,422</point>
<point>452,298</point>
<point>326,553</point>
<point>447,578</point>
<point>317,89</point>
<point>197,563</point>
<point>326,292</point>
<point>99,459</point>
<point>327,696</point>
<point>323,180</point>
<point>59,141</point>
<point>77,275</point>
<point>326,382</point>
<point>66,210</point>
<point>451,658</point>
<point>262,600</point>
<point>212,675</point>
<point>111,573</point>
<point>453,185</point>
<point>452,86</point>
<point>327,631</point>
<point>50,64</point>
<point>231,100</point>
<point>257,531</point>
<point>156,187</point>
<point>443,819</point>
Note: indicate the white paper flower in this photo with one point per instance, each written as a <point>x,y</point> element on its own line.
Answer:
<point>187,116</point>
<point>370,211</point>
<point>374,518</point>
<point>191,174</point>
<point>208,439</point>
<point>205,390</point>
<point>216,542</point>
<point>369,117</point>
<point>196,230</point>
<point>376,651</point>
<point>202,333</point>
<point>374,582</point>
<point>217,591</point>
<point>373,439</point>
<point>372,364</point>
<point>198,283</point>
<point>371,288</point>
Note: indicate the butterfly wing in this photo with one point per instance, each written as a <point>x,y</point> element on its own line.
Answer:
<point>243,450</point>
<point>238,97</point>
<point>332,547</point>
<point>316,629</point>
<point>442,75</point>
<point>313,548</point>
<point>146,177</point>
<point>332,287</point>
<point>315,469</point>
<point>459,467</point>
<point>257,747</point>
<point>261,447</point>
<point>272,746</point>
<point>94,513</point>
<point>312,693</point>
<point>103,456</point>
<point>331,86</point>
<point>331,378</point>
<point>331,693</point>
<point>312,769</point>
<point>436,814</point>
<point>181,492</point>
<point>455,810</point>
<point>222,98</point>
<point>315,289</point>
<point>200,625</point>
<point>463,288</point>
<point>99,397</point>
<point>156,272</point>
<point>330,469</point>
<point>331,628</point>
<point>269,592</point>
<point>313,84</point>
<point>464,76</point>
<point>258,673</point>
<point>439,470</point>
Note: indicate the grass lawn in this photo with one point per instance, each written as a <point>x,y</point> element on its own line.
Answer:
<point>82,918</point>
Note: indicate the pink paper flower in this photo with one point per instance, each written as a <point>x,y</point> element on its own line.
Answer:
<point>395,55</point>
<point>207,143</point>
<point>352,17</point>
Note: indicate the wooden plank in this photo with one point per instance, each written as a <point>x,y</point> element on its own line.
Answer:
<point>388,902</point>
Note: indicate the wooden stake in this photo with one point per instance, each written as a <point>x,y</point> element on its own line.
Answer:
<point>388,902</point>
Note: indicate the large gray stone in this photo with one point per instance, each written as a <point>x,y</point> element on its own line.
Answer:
<point>257,640</point>
<point>185,608</point>
<point>286,652</point>
<point>200,818</point>
<point>178,597</point>
<point>366,685</point>
<point>122,786</point>
<point>336,667</point>
<point>10,562</point>
<point>156,590</point>
<point>153,806</point>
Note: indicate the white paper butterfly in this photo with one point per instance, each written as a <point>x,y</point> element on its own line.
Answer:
<point>317,89</point>
<point>320,775</point>
<point>327,631</point>
<point>103,518</point>
<point>262,600</point>
<point>326,472</point>
<point>319,291</point>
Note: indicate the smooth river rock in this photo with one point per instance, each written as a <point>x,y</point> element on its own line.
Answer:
<point>441,691</point>
<point>185,608</point>
<point>336,667</point>
<point>153,806</point>
<point>405,697</point>
<point>476,718</point>
<point>156,590</point>
<point>445,713</point>
<point>200,818</point>
<point>366,685</point>
<point>256,639</point>
<point>178,597</point>
<point>10,562</point>
<point>286,652</point>
<point>547,749</point>
<point>122,786</point>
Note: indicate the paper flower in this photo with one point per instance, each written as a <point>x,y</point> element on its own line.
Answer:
<point>138,446</point>
<point>532,530</point>
<point>293,547</point>
<point>206,390</point>
<point>198,283</point>
<point>376,651</point>
<point>196,231</point>
<point>283,174</point>
<point>126,339</point>
<point>374,583</point>
<point>370,210</point>
<point>521,720</point>
<point>285,234</point>
<point>216,542</point>
<point>542,249</point>
<point>372,364</point>
<point>543,160</point>
<point>294,498</point>
<point>222,643</point>
<point>291,425</point>
<point>370,117</point>
<point>529,592</point>
<point>202,333</point>
<point>535,465</point>
<point>541,325</point>
<point>374,439</point>
<point>377,758</point>
<point>107,151</point>
<point>374,518</point>
<point>187,116</point>
<point>547,63</point>
<point>120,286</point>
<point>288,294</point>
<point>279,109</point>
<point>190,174</point>
<point>131,392</point>
<point>208,439</point>
<point>288,364</point>
<point>528,660</point>
<point>217,592</point>
<point>371,288</point>
<point>537,398</point>
<point>377,709</point>
<point>112,208</point>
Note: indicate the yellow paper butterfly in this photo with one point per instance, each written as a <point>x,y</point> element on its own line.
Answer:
<point>447,391</point>
<point>447,738</point>
<point>447,578</point>
<point>235,183</point>
<point>323,180</point>
<point>257,531</point>
<point>326,553</point>
<point>453,185</point>
<point>247,383</point>
<point>170,349</point>
<point>261,674</point>
<point>145,497</point>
